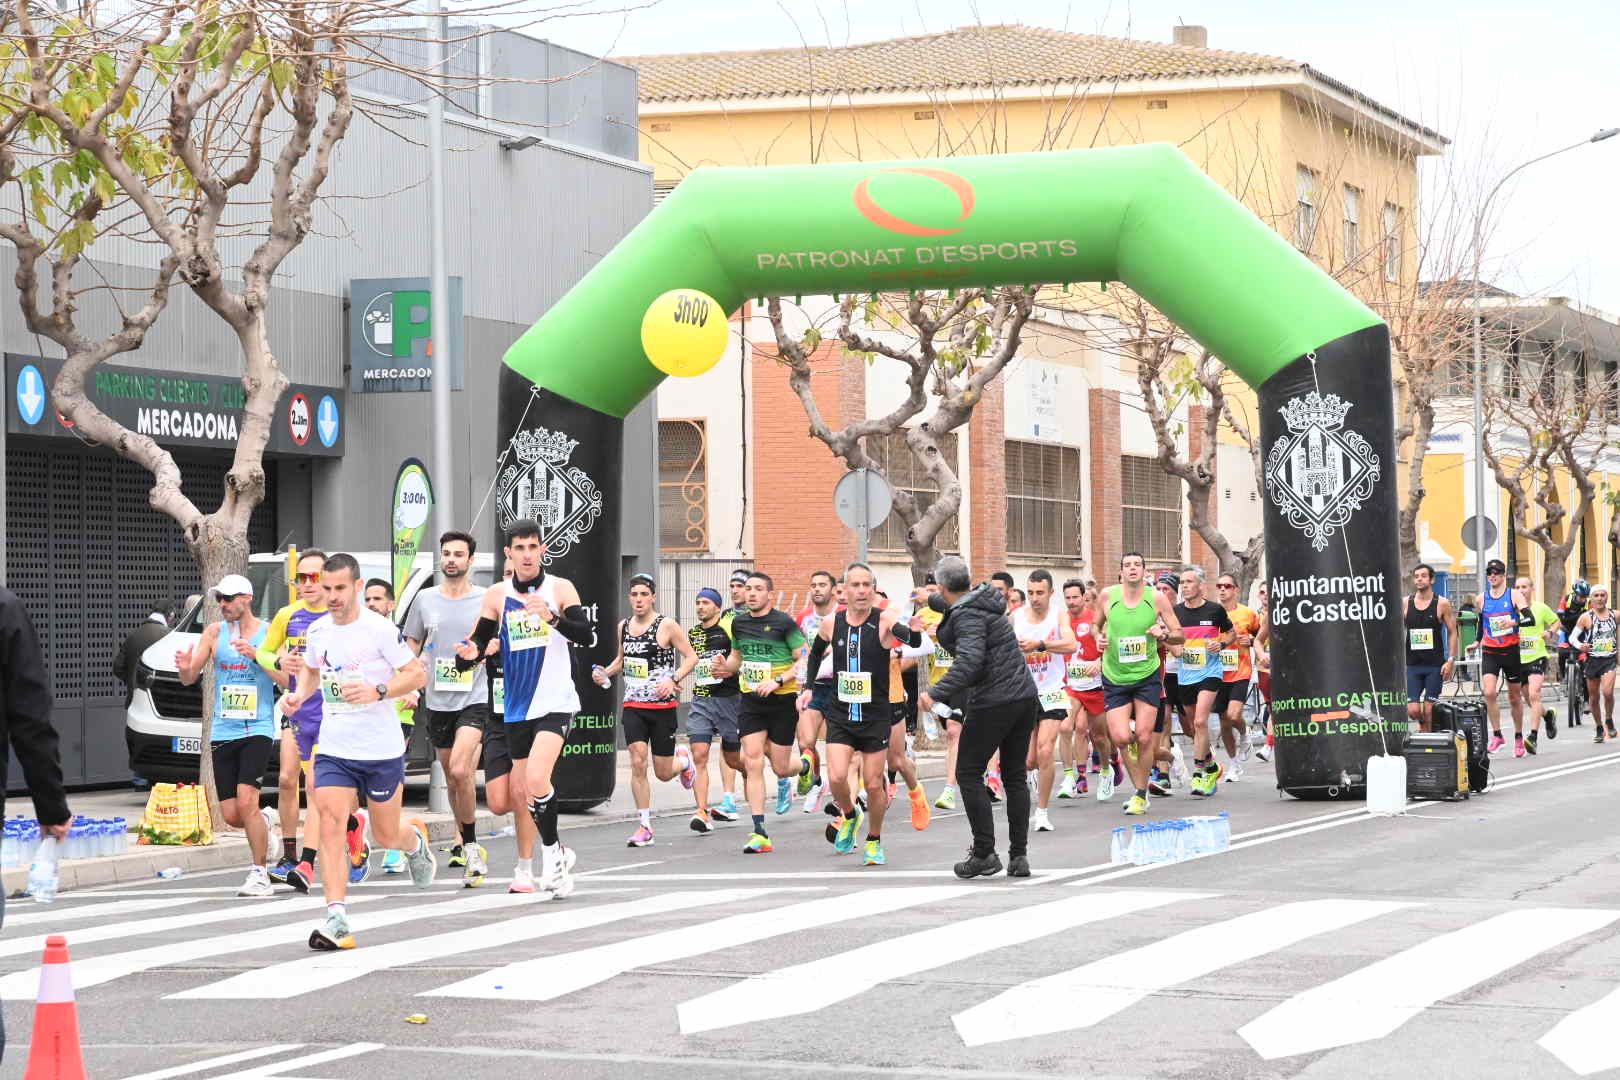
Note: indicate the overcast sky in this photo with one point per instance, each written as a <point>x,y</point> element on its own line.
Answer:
<point>1505,81</point>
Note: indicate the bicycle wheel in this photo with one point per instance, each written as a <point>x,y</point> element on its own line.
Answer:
<point>1574,692</point>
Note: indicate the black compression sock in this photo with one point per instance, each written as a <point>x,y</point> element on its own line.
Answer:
<point>289,847</point>
<point>759,824</point>
<point>1497,733</point>
<point>308,856</point>
<point>544,812</point>
<point>469,833</point>
<point>872,838</point>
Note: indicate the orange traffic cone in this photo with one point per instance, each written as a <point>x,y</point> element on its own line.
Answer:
<point>55,1053</point>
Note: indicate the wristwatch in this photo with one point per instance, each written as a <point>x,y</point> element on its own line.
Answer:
<point>382,691</point>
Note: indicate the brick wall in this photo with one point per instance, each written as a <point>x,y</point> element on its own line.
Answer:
<point>796,531</point>
<point>987,482</point>
<point>1107,487</point>
<point>1198,551</point>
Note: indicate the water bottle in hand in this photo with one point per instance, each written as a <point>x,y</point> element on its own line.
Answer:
<point>42,872</point>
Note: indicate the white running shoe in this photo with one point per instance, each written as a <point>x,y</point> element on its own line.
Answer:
<point>522,880</point>
<point>1178,766</point>
<point>813,799</point>
<point>1066,787</point>
<point>257,884</point>
<point>559,879</point>
<point>1105,784</point>
<point>1040,822</point>
<point>1243,747</point>
<point>1234,770</point>
<point>1263,753</point>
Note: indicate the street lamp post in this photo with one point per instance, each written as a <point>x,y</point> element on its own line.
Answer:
<point>1479,362</point>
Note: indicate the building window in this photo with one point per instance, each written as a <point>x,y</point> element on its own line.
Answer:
<point>904,471</point>
<point>1305,209</point>
<point>1152,509</point>
<point>683,486</point>
<point>1043,500</point>
<point>1392,243</point>
<point>1352,224</point>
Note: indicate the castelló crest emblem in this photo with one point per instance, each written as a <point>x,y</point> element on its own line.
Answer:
<point>537,482</point>
<point>1319,473</point>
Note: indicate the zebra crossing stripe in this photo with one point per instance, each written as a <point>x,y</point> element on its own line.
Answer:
<point>1087,995</point>
<point>209,1064</point>
<point>806,988</point>
<point>95,970</point>
<point>248,909</point>
<point>1375,1000</point>
<point>549,977</point>
<point>95,911</point>
<point>1585,1039</point>
<point>310,973</point>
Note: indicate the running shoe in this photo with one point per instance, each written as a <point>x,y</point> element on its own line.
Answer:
<point>559,876</point>
<point>1066,787</point>
<point>332,935</point>
<point>921,815</point>
<point>1096,762</point>
<point>874,854</point>
<point>1178,765</point>
<point>757,845</point>
<point>1234,774</point>
<point>833,826</point>
<point>393,861</point>
<point>728,806</point>
<point>642,837</point>
<point>688,770</point>
<point>458,857</point>
<point>1518,746</point>
<point>978,865</point>
<point>1530,741</point>
<point>1119,773</point>
<point>1599,736</point>
<point>421,861</point>
<point>1215,771</point>
<point>844,842</point>
<point>1105,786</point>
<point>1243,748</point>
<point>359,848</point>
<point>1263,753</point>
<point>1080,786</point>
<point>700,824</point>
<point>1018,866</point>
<point>947,799</point>
<point>992,782</point>
<point>784,796</point>
<point>812,801</point>
<point>1136,805</point>
<point>301,877</point>
<point>809,773</point>
<point>1203,784</point>
<point>257,884</point>
<point>278,872</point>
<point>1612,733</point>
<point>1496,743</point>
<point>1159,785</point>
<point>522,879</point>
<point>477,867</point>
<point>1549,720</point>
<point>1040,822</point>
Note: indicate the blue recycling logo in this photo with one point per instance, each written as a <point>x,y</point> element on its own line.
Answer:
<point>30,394</point>
<point>327,421</point>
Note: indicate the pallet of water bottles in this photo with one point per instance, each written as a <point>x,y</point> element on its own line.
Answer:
<point>88,838</point>
<point>1172,841</point>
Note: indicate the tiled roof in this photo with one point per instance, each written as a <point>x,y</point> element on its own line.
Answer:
<point>972,56</point>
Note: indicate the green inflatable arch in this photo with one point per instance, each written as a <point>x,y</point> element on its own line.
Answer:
<point>1142,215</point>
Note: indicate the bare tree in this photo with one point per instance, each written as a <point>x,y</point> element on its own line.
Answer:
<point>1547,418</point>
<point>958,346</point>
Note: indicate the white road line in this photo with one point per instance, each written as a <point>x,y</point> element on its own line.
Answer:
<point>872,876</point>
<point>613,869</point>
<point>247,909</point>
<point>217,1062</point>
<point>99,969</point>
<point>307,974</point>
<point>1373,1001</point>
<point>1585,1039</point>
<point>278,1069</point>
<point>1087,995</point>
<point>548,977</point>
<point>806,988</point>
<point>55,914</point>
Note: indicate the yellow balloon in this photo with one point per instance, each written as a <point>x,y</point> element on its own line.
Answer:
<point>684,332</point>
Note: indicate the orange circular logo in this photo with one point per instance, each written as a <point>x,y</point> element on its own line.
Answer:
<point>882,218</point>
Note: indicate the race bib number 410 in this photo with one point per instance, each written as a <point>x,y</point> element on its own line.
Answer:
<point>1132,649</point>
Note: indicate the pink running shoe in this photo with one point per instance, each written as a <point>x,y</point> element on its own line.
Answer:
<point>1496,743</point>
<point>1518,747</point>
<point>642,837</point>
<point>688,770</point>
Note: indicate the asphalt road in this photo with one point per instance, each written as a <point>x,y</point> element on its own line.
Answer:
<point>1468,939</point>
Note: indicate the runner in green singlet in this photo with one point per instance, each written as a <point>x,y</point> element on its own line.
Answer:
<point>1131,622</point>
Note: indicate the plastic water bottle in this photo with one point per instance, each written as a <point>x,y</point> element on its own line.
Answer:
<point>8,847</point>
<point>1223,831</point>
<point>1119,850</point>
<point>1183,835</point>
<point>42,872</point>
<point>169,873</point>
<point>931,725</point>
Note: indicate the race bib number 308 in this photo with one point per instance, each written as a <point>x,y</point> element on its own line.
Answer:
<point>855,687</point>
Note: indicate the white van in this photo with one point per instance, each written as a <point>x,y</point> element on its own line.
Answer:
<point>163,726</point>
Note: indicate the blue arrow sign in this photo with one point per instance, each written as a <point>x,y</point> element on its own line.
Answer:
<point>327,422</point>
<point>30,394</point>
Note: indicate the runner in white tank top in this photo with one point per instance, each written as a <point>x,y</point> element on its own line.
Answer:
<point>1047,640</point>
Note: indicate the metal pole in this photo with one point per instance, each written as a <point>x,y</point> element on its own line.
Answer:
<point>866,517</point>
<point>444,513</point>
<point>1479,362</point>
<point>445,486</point>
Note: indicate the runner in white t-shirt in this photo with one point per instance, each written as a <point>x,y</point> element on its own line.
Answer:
<point>359,664</point>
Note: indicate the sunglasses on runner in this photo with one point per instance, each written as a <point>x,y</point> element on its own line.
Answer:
<point>310,579</point>
<point>225,599</point>
<point>1224,585</point>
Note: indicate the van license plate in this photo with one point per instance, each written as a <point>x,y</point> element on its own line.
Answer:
<point>184,745</point>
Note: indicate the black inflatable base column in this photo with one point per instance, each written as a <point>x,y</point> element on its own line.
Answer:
<point>1338,658</point>
<point>560,465</point>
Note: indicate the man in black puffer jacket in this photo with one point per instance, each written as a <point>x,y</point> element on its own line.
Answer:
<point>990,682</point>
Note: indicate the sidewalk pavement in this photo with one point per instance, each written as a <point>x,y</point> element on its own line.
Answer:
<point>230,847</point>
